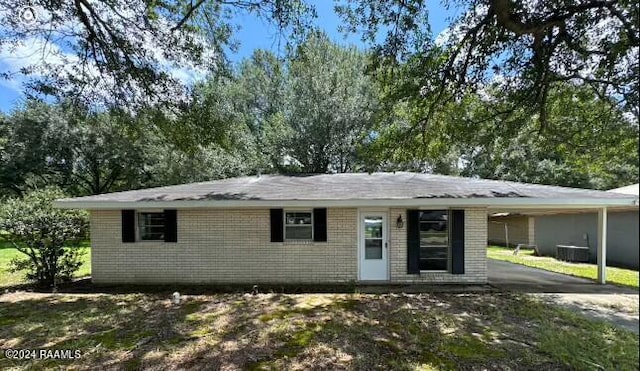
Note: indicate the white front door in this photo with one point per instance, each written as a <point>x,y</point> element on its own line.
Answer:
<point>374,251</point>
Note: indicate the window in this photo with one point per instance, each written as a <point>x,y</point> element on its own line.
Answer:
<point>434,240</point>
<point>298,225</point>
<point>151,226</point>
<point>373,237</point>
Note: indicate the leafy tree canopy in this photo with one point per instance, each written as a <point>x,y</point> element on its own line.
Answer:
<point>121,52</point>
<point>523,48</point>
<point>589,143</point>
<point>87,152</point>
<point>330,106</point>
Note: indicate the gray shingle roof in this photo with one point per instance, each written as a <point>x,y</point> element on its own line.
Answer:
<point>353,186</point>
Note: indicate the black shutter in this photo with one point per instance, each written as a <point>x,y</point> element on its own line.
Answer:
<point>170,226</point>
<point>457,243</point>
<point>128,226</point>
<point>277,227</point>
<point>320,225</point>
<point>413,241</point>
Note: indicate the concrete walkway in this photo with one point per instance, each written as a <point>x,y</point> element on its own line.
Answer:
<point>615,304</point>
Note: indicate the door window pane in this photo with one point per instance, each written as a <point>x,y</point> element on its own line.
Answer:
<point>373,227</point>
<point>373,249</point>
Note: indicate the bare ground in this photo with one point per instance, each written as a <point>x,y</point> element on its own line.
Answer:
<point>476,331</point>
<point>618,309</point>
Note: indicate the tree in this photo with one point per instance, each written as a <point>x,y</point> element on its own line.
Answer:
<point>330,105</point>
<point>34,150</point>
<point>590,146</point>
<point>259,96</point>
<point>525,49</point>
<point>80,151</point>
<point>47,236</point>
<point>589,143</point>
<point>306,113</point>
<point>132,53</point>
<point>109,151</point>
<point>86,152</point>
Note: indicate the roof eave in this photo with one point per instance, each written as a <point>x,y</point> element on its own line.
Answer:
<point>507,202</point>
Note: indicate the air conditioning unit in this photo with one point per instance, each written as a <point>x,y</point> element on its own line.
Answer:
<point>577,254</point>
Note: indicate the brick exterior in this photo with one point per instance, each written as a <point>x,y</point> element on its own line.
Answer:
<point>233,246</point>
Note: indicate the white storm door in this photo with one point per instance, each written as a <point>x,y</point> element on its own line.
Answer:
<point>374,252</point>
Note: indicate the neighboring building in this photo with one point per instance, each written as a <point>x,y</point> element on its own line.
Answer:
<point>580,229</point>
<point>512,228</point>
<point>330,228</point>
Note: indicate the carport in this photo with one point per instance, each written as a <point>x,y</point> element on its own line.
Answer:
<point>601,205</point>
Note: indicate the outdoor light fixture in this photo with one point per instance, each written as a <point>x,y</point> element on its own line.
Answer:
<point>399,221</point>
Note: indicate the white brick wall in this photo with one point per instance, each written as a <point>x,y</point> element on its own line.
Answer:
<point>232,246</point>
<point>223,246</point>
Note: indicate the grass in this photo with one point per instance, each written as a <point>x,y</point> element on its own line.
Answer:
<point>619,276</point>
<point>310,331</point>
<point>8,252</point>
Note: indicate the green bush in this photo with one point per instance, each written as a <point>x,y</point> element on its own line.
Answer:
<point>47,236</point>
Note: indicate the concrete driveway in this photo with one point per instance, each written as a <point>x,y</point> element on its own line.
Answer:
<point>516,277</point>
<point>615,304</point>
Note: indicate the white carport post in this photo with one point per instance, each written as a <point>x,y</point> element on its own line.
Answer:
<point>602,245</point>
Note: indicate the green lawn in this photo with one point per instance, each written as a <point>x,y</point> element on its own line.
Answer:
<point>619,276</point>
<point>7,252</point>
<point>311,331</point>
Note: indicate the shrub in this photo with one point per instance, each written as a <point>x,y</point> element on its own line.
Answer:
<point>47,236</point>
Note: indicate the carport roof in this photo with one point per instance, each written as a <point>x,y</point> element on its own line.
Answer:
<point>352,189</point>
<point>633,189</point>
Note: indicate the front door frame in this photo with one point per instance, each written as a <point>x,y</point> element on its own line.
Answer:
<point>386,250</point>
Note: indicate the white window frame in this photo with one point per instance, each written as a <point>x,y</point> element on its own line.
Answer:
<point>448,246</point>
<point>284,225</point>
<point>137,221</point>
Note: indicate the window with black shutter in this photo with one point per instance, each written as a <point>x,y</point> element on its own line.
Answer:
<point>435,241</point>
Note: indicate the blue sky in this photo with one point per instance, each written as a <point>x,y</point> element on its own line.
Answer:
<point>256,34</point>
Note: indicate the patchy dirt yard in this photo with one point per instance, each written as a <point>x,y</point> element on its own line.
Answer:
<point>619,309</point>
<point>311,331</point>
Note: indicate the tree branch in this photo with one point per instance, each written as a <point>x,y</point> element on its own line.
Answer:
<point>186,17</point>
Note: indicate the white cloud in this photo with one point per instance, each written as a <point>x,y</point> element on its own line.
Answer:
<point>443,37</point>
<point>29,55</point>
<point>32,57</point>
